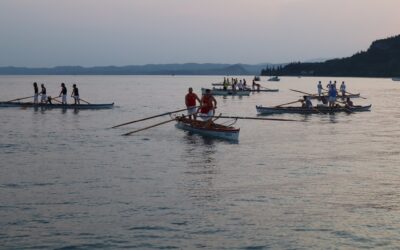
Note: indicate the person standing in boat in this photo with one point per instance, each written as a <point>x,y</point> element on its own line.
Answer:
<point>240,85</point>
<point>190,101</point>
<point>75,94</point>
<point>208,104</point>
<point>36,93</point>
<point>329,85</point>
<point>332,94</point>
<point>319,87</point>
<point>343,89</point>
<point>63,94</point>
<point>256,85</point>
<point>43,93</point>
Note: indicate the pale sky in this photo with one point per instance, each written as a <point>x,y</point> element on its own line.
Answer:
<point>47,33</point>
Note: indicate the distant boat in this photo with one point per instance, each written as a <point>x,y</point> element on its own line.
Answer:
<point>315,110</point>
<point>216,91</point>
<point>274,79</point>
<point>56,105</point>
<point>396,78</point>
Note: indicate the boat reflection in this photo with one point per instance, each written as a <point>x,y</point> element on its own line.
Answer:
<point>201,169</point>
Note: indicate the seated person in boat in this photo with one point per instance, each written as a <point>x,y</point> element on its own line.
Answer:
<point>306,102</point>
<point>190,101</point>
<point>208,104</point>
<point>349,103</point>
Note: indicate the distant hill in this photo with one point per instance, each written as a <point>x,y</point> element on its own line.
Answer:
<point>382,59</point>
<point>150,69</point>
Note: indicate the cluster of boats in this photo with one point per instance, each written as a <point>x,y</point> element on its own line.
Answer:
<point>229,132</point>
<point>213,129</point>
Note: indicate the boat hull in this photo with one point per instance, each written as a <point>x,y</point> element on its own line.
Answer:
<point>264,90</point>
<point>55,105</point>
<point>316,110</point>
<point>216,131</point>
<point>228,92</point>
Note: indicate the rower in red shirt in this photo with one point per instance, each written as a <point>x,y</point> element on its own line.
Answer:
<point>208,106</point>
<point>190,100</point>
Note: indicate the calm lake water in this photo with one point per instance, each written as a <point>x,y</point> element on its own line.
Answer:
<point>69,182</point>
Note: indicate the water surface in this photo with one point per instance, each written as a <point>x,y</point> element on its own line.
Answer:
<point>69,182</point>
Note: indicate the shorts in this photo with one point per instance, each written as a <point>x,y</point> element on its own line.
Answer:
<point>332,99</point>
<point>206,117</point>
<point>191,110</point>
<point>64,98</point>
<point>44,98</point>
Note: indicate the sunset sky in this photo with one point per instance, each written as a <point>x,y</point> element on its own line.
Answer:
<point>46,33</point>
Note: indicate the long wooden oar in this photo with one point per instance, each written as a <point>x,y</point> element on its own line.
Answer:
<point>54,98</point>
<point>20,98</point>
<point>354,94</point>
<point>152,126</point>
<point>305,93</point>
<point>287,103</point>
<point>151,117</point>
<point>84,101</point>
<point>257,118</point>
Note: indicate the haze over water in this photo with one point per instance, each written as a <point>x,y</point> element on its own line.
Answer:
<point>69,182</point>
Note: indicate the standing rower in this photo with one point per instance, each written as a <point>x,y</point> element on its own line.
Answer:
<point>343,89</point>
<point>190,101</point>
<point>43,93</point>
<point>36,95</point>
<point>332,94</point>
<point>63,94</point>
<point>75,94</point>
<point>208,106</point>
<point>319,86</point>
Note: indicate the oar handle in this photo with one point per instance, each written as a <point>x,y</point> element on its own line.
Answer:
<point>151,117</point>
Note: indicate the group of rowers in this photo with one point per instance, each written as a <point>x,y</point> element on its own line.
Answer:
<point>332,96</point>
<point>205,110</point>
<point>48,100</point>
<point>238,84</point>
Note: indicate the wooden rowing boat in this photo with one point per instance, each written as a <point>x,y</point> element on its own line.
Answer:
<point>264,90</point>
<point>56,105</point>
<point>215,130</point>
<point>216,91</point>
<point>314,110</point>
